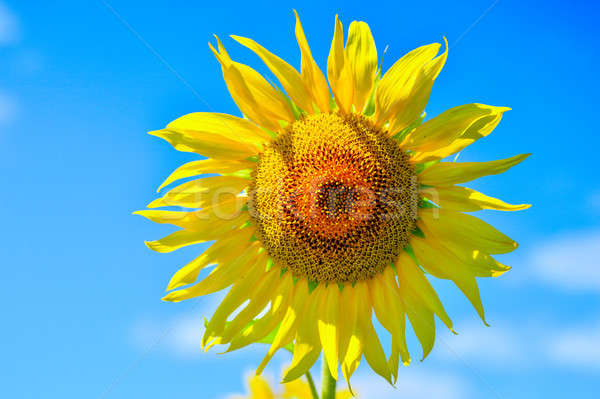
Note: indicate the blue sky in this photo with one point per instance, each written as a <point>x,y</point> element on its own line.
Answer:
<point>82,315</point>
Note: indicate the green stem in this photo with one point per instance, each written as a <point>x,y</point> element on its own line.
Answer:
<point>328,384</point>
<point>311,384</point>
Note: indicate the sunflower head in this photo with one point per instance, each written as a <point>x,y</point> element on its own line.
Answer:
<point>334,198</point>
<point>328,202</point>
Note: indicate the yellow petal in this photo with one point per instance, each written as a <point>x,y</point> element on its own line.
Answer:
<point>467,230</point>
<point>350,344</point>
<point>178,239</point>
<point>421,286</point>
<point>195,168</point>
<point>259,388</point>
<point>361,55</point>
<point>374,354</point>
<point>396,85</point>
<point>420,316</point>
<point>223,250</point>
<point>221,277</point>
<point>339,73</point>
<point>452,131</point>
<point>343,395</point>
<point>463,199</point>
<point>290,78</point>
<point>311,73</point>
<point>201,124</point>
<point>256,98</point>
<point>296,389</point>
<point>447,173</point>
<point>240,292</point>
<point>443,264</point>
<point>327,323</point>
<point>307,346</point>
<point>201,193</point>
<point>282,295</point>
<point>192,221</point>
<point>409,111</point>
<point>397,312</point>
<point>480,263</point>
<point>207,144</point>
<point>258,299</point>
<point>205,230</point>
<point>389,310</point>
<point>287,329</point>
<point>353,355</point>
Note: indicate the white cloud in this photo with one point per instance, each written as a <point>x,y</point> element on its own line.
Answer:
<point>9,26</point>
<point>523,345</point>
<point>493,346</point>
<point>178,337</point>
<point>577,347</point>
<point>569,261</point>
<point>413,383</point>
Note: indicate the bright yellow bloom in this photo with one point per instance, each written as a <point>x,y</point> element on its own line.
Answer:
<point>328,208</point>
<point>297,389</point>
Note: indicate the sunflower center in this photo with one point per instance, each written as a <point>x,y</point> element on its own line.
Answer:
<point>334,199</point>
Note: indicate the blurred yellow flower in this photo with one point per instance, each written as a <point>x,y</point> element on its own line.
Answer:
<point>328,207</point>
<point>297,389</point>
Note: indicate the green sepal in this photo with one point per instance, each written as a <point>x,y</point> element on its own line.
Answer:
<point>271,336</point>
<point>297,111</point>
<point>244,174</point>
<point>418,232</point>
<point>270,264</point>
<point>427,204</point>
<point>340,286</point>
<point>312,285</point>
<point>283,270</point>
<point>332,104</point>
<point>253,158</point>
<point>422,166</point>
<point>247,224</point>
<point>269,132</point>
<point>408,249</point>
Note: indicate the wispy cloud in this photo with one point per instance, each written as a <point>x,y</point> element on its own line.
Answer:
<point>178,337</point>
<point>488,347</point>
<point>577,346</point>
<point>413,383</point>
<point>9,26</point>
<point>569,261</point>
<point>529,344</point>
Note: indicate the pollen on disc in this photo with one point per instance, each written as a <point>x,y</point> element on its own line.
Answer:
<point>334,199</point>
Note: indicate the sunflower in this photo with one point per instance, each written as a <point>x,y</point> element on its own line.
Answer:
<point>259,389</point>
<point>329,207</point>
